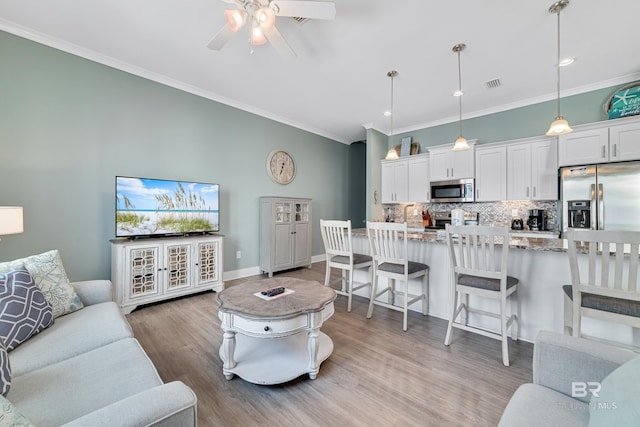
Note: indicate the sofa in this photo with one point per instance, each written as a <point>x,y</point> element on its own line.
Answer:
<point>577,382</point>
<point>86,369</point>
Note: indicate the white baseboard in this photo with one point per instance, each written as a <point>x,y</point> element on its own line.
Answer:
<point>254,271</point>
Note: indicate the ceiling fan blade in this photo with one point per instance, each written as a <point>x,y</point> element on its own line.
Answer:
<point>220,39</point>
<point>306,9</point>
<point>281,45</point>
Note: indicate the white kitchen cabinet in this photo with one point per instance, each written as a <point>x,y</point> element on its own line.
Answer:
<point>285,234</point>
<point>150,270</point>
<point>600,143</point>
<point>445,164</point>
<point>491,173</point>
<point>583,147</point>
<point>394,181</point>
<point>419,189</point>
<point>624,142</point>
<point>532,170</point>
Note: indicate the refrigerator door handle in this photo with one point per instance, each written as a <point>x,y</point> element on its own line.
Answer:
<point>593,206</point>
<point>600,207</point>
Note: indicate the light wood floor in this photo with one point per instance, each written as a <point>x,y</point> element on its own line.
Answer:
<point>378,375</point>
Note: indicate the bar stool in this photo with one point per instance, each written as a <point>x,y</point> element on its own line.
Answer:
<point>336,236</point>
<point>607,287</point>
<point>389,248</point>
<point>479,271</point>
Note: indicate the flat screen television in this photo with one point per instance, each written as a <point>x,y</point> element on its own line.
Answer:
<point>148,207</point>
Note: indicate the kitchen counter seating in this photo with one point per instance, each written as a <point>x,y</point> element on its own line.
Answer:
<point>542,268</point>
<point>517,240</point>
<point>87,369</point>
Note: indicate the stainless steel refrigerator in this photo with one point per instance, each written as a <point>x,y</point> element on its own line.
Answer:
<point>601,197</point>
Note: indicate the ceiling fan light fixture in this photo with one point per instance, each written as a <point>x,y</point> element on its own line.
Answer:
<point>257,36</point>
<point>266,18</point>
<point>235,19</point>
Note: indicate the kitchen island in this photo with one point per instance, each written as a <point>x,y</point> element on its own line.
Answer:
<point>540,263</point>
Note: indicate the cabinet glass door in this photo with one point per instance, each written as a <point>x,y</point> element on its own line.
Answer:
<point>302,212</point>
<point>283,212</point>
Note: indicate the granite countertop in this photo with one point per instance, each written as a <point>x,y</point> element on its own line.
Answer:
<point>515,242</point>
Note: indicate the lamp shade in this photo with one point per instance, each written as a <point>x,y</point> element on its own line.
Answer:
<point>11,220</point>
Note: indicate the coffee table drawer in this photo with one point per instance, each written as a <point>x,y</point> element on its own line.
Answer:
<point>271,327</point>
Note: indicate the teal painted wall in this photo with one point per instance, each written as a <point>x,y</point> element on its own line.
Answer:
<point>532,120</point>
<point>523,122</point>
<point>68,126</point>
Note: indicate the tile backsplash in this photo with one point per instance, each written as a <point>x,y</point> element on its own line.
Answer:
<point>496,213</point>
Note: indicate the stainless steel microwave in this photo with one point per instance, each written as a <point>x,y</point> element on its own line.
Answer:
<point>457,190</point>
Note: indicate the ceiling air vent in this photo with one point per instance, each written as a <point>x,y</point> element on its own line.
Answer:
<point>492,84</point>
<point>299,20</point>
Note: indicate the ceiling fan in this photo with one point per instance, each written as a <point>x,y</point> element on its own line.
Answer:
<point>261,16</point>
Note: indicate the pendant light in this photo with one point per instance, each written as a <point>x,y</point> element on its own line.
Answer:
<point>392,154</point>
<point>560,125</point>
<point>461,143</point>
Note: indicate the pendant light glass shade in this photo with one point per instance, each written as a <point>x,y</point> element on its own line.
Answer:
<point>560,125</point>
<point>392,154</point>
<point>461,143</point>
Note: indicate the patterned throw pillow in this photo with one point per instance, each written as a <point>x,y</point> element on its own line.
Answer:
<point>49,274</point>
<point>10,416</point>
<point>23,309</point>
<point>5,370</point>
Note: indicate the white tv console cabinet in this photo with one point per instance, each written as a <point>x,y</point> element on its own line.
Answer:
<point>149,270</point>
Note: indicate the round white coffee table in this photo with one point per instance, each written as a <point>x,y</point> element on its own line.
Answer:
<point>271,341</point>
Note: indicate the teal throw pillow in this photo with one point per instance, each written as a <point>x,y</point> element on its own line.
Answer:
<point>11,416</point>
<point>51,278</point>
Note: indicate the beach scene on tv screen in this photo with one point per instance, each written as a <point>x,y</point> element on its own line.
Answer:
<point>152,207</point>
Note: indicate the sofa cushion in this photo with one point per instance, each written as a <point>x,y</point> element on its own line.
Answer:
<point>62,392</point>
<point>73,334</point>
<point>23,309</point>
<point>51,277</point>
<point>11,416</point>
<point>618,402</point>
<point>5,370</point>
<point>534,405</point>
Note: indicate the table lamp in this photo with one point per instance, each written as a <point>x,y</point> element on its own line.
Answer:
<point>11,220</point>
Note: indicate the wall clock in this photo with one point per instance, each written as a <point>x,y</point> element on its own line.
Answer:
<point>281,167</point>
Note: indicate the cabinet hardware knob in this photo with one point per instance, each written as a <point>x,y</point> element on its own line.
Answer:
<point>266,329</point>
